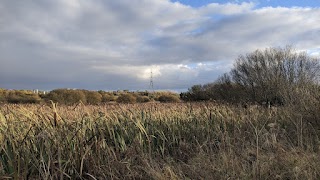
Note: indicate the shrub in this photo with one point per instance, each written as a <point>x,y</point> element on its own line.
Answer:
<point>168,98</point>
<point>107,97</point>
<point>3,95</point>
<point>143,99</point>
<point>93,97</point>
<point>126,98</point>
<point>196,93</point>
<point>22,97</point>
<point>66,96</point>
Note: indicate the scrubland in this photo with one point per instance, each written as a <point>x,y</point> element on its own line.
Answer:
<point>158,141</point>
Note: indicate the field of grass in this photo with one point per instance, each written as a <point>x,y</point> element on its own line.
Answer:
<point>157,141</point>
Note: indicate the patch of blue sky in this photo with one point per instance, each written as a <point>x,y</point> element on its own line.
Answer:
<point>208,23</point>
<point>200,3</point>
<point>196,32</point>
<point>259,3</point>
<point>209,65</point>
<point>314,52</point>
<point>289,3</point>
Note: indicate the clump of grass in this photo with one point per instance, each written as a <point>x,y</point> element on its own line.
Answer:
<point>156,141</point>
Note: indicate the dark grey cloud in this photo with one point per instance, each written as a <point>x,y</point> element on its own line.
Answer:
<point>114,44</point>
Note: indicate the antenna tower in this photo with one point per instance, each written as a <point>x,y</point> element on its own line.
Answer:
<point>151,81</point>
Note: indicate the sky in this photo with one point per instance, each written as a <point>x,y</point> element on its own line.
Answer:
<point>115,44</point>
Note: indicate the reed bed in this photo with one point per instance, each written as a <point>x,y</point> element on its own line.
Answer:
<point>157,141</point>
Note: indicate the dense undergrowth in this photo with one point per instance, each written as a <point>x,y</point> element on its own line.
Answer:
<point>158,141</point>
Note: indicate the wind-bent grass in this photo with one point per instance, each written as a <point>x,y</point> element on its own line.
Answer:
<point>156,141</point>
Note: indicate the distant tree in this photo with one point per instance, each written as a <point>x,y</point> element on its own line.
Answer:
<point>223,89</point>
<point>196,93</point>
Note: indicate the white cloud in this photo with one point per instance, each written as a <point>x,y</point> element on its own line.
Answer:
<point>113,44</point>
<point>226,9</point>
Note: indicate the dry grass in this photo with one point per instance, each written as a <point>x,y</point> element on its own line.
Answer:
<point>157,141</point>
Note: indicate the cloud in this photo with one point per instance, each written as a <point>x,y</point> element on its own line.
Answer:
<point>114,44</point>
<point>226,9</point>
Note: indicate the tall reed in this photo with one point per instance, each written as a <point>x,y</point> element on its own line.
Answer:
<point>156,141</point>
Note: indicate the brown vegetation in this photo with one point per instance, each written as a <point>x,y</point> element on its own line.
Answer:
<point>126,98</point>
<point>74,96</point>
<point>168,98</point>
<point>158,141</point>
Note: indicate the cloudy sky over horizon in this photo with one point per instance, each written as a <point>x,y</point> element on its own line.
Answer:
<point>114,44</point>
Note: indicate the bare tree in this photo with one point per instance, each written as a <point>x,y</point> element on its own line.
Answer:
<point>276,74</point>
